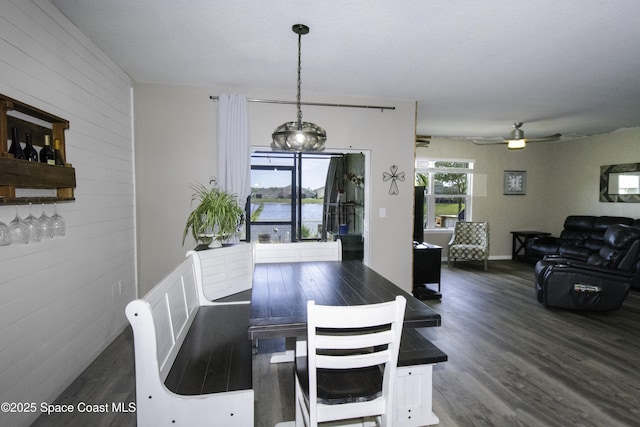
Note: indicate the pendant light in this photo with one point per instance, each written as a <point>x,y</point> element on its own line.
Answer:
<point>298,135</point>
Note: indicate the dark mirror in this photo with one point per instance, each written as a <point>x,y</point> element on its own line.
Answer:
<point>620,183</point>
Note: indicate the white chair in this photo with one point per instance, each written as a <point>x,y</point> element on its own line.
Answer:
<point>470,241</point>
<point>347,369</point>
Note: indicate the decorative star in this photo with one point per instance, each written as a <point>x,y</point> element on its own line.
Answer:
<point>515,183</point>
<point>393,176</point>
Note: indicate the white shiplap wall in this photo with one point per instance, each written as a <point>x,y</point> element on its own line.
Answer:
<point>60,300</point>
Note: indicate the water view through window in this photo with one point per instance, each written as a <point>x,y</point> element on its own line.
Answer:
<point>302,196</point>
<point>285,187</point>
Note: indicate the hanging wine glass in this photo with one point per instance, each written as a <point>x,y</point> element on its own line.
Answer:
<point>5,234</point>
<point>19,230</point>
<point>59,224</point>
<point>35,230</point>
<point>46,225</point>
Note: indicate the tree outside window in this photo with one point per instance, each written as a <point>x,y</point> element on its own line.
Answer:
<point>448,191</point>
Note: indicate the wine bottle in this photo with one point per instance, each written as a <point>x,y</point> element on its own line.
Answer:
<point>46,154</point>
<point>57,152</point>
<point>30,153</point>
<point>16,149</point>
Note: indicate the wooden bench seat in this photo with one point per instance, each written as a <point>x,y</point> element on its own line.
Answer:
<point>193,356</point>
<point>216,353</point>
<point>416,349</point>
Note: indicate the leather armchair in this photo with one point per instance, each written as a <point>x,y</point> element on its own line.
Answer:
<point>601,283</point>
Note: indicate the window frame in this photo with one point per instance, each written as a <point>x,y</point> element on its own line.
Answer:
<point>291,224</point>
<point>294,162</point>
<point>426,165</point>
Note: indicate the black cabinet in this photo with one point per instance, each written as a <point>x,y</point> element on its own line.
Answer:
<point>427,260</point>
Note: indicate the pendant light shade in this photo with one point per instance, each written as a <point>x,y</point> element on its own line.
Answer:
<point>298,135</point>
<point>292,137</point>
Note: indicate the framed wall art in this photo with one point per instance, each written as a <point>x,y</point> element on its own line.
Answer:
<point>515,183</point>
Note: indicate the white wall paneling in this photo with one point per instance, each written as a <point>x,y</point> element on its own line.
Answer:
<point>60,299</point>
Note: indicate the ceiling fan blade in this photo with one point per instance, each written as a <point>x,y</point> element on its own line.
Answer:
<point>489,141</point>
<point>549,138</point>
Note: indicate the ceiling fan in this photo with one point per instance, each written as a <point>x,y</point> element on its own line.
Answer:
<point>516,139</point>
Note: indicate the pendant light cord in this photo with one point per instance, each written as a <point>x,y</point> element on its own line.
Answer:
<point>299,80</point>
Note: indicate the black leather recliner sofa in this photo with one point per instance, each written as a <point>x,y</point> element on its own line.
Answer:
<point>599,283</point>
<point>581,237</point>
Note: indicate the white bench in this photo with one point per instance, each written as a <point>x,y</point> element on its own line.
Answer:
<point>174,383</point>
<point>297,252</point>
<point>225,271</point>
<point>413,404</point>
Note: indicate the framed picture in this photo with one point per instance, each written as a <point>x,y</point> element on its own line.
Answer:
<point>515,182</point>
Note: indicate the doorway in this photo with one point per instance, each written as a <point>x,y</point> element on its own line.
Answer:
<point>308,196</point>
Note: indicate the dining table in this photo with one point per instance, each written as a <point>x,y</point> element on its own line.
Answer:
<point>281,290</point>
<point>279,310</point>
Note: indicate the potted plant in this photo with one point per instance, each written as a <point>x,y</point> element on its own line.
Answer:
<point>215,219</point>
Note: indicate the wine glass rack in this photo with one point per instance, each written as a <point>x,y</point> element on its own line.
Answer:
<point>15,173</point>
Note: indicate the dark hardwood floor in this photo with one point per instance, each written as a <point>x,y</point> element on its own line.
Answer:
<point>512,362</point>
<point>109,379</point>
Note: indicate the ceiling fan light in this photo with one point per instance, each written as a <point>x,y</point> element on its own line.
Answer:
<point>516,144</point>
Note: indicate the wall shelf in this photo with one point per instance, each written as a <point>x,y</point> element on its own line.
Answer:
<point>21,174</point>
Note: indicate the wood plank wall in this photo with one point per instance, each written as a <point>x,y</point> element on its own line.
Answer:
<point>60,299</point>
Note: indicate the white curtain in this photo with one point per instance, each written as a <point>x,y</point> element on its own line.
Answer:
<point>234,151</point>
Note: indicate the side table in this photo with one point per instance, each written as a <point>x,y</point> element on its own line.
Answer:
<point>519,241</point>
<point>427,260</point>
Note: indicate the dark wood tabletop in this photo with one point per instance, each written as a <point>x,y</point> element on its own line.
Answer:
<point>281,291</point>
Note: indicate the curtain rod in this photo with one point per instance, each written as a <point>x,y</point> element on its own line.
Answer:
<point>318,104</point>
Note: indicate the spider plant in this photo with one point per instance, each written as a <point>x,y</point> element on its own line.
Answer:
<point>216,218</point>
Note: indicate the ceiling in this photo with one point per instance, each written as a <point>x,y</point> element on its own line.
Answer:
<point>474,67</point>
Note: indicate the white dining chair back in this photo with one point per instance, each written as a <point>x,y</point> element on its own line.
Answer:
<point>349,370</point>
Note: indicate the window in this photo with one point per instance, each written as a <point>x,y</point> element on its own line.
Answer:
<point>287,195</point>
<point>448,184</point>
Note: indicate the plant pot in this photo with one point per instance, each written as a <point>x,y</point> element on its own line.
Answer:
<point>215,244</point>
